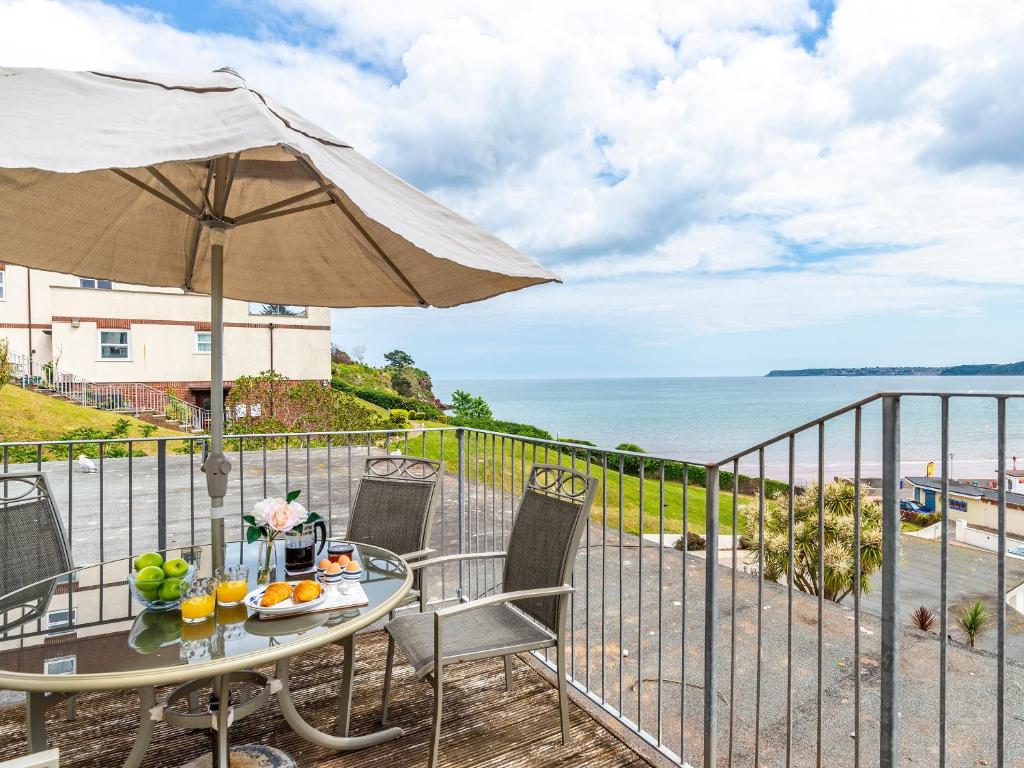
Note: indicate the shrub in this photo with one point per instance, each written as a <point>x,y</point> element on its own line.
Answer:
<point>840,556</point>
<point>973,620</point>
<point>472,407</point>
<point>694,543</point>
<point>147,430</point>
<point>397,419</point>
<point>386,399</point>
<point>507,427</point>
<point>923,619</point>
<point>120,428</point>
<point>6,366</point>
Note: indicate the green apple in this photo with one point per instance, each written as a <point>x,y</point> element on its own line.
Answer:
<point>149,589</point>
<point>170,589</point>
<point>149,574</point>
<point>176,568</point>
<point>148,559</point>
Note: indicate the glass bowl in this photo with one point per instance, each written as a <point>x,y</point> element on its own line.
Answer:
<point>151,600</point>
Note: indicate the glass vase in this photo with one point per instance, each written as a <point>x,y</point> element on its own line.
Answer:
<point>266,562</point>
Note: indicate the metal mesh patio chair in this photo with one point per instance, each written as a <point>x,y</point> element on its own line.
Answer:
<point>33,545</point>
<point>33,549</point>
<point>530,611</point>
<point>393,509</point>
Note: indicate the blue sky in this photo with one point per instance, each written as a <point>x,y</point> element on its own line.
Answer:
<point>725,188</point>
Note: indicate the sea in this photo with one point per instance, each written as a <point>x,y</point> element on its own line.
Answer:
<point>711,419</point>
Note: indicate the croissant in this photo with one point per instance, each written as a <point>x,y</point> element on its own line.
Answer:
<point>276,593</point>
<point>306,591</point>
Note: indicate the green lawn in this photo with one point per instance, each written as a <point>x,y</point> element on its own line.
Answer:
<point>27,415</point>
<point>503,460</point>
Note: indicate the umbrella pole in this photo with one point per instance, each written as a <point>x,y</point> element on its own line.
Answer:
<point>216,465</point>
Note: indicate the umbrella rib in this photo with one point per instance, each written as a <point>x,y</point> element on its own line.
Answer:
<point>194,251</point>
<point>258,213</point>
<point>252,219</point>
<point>380,251</point>
<point>333,193</point>
<point>155,192</point>
<point>174,190</point>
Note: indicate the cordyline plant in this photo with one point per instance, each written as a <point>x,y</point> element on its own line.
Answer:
<point>840,556</point>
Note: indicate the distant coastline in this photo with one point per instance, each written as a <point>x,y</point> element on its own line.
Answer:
<point>980,369</point>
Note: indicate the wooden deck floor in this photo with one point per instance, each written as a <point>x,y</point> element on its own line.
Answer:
<point>484,725</point>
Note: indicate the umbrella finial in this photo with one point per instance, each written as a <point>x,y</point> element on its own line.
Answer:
<point>230,71</point>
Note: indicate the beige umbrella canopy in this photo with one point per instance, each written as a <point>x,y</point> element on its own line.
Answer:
<point>202,183</point>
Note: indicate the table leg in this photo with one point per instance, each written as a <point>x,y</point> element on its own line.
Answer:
<point>222,686</point>
<point>146,702</point>
<point>314,736</point>
<point>35,721</point>
<point>348,671</point>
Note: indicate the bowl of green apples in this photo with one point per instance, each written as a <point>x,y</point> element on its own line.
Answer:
<point>155,583</point>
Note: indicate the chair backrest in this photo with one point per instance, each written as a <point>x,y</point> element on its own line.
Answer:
<point>395,503</point>
<point>542,545</point>
<point>33,545</point>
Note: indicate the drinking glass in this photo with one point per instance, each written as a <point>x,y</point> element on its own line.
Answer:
<point>232,584</point>
<point>198,601</point>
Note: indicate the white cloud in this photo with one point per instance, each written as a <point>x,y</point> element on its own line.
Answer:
<point>689,162</point>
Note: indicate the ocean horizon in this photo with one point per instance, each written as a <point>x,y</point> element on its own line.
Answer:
<point>704,419</point>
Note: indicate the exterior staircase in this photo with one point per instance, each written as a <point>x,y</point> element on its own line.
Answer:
<point>141,400</point>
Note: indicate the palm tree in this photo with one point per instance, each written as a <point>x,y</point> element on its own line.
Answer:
<point>840,558</point>
<point>973,620</point>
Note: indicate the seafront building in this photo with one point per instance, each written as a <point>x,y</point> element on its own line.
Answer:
<point>113,333</point>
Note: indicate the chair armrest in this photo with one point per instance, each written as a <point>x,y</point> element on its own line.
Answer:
<point>417,554</point>
<point>455,558</point>
<point>504,597</point>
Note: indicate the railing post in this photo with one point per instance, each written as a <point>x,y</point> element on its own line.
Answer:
<point>460,435</point>
<point>711,618</point>
<point>891,629</point>
<point>161,496</point>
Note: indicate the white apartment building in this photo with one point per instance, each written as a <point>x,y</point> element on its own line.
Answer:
<point>114,333</point>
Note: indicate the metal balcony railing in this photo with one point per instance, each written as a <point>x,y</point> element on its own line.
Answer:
<point>713,657</point>
<point>135,398</point>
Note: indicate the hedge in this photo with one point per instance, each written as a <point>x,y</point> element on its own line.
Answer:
<point>386,399</point>
<point>508,427</point>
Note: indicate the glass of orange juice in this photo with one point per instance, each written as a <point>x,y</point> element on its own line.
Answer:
<point>232,584</point>
<point>197,600</point>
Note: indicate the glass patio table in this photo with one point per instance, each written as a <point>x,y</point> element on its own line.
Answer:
<point>82,631</point>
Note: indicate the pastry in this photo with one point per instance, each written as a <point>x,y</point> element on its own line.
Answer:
<point>306,591</point>
<point>276,593</point>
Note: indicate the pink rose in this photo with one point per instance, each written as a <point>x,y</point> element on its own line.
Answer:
<point>279,515</point>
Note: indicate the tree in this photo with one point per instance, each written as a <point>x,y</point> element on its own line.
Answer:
<point>359,352</point>
<point>839,556</point>
<point>339,355</point>
<point>472,407</point>
<point>396,359</point>
<point>402,382</point>
<point>973,620</point>
<point>6,366</point>
<point>280,310</point>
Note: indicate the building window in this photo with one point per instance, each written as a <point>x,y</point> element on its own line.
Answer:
<point>204,342</point>
<point>3,285</point>
<point>114,345</point>
<point>85,282</point>
<point>64,665</point>
<point>276,310</point>
<point>61,619</point>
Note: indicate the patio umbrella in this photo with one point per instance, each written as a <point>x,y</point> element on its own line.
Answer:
<point>202,183</point>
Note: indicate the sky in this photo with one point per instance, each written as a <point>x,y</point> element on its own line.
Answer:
<point>725,187</point>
